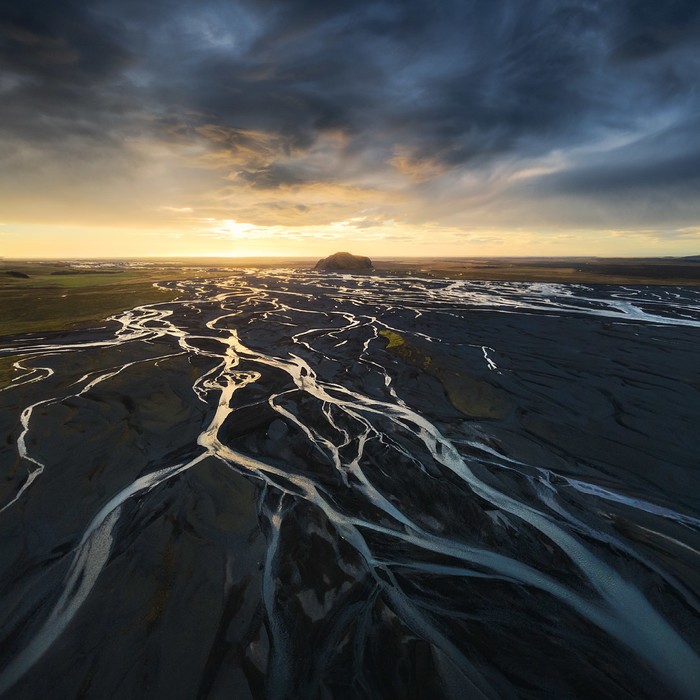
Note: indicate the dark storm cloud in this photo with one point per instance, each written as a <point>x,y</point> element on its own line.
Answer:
<point>271,177</point>
<point>62,93</point>
<point>658,175</point>
<point>460,84</point>
<point>678,173</point>
<point>58,41</point>
<point>652,27</point>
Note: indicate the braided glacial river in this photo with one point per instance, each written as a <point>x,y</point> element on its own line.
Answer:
<point>287,484</point>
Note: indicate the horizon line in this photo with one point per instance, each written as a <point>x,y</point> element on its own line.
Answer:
<point>374,257</point>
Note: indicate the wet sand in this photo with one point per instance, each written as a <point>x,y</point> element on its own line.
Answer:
<point>297,484</point>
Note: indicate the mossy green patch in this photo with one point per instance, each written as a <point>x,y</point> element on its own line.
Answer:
<point>472,396</point>
<point>7,371</point>
<point>395,340</point>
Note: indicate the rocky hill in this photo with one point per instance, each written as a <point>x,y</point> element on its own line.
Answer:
<point>344,261</point>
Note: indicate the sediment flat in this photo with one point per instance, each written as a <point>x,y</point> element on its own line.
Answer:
<point>278,483</point>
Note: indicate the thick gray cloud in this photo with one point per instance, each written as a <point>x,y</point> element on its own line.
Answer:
<point>424,88</point>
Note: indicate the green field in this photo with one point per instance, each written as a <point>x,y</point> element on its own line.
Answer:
<point>45,301</point>
<point>7,372</point>
<point>652,271</point>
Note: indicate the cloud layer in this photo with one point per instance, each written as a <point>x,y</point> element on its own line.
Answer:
<point>473,116</point>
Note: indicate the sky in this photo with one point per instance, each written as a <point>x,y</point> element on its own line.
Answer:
<point>386,128</point>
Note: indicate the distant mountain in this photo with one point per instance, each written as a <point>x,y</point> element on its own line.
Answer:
<point>344,261</point>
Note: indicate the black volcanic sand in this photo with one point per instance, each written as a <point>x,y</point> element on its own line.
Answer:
<point>299,485</point>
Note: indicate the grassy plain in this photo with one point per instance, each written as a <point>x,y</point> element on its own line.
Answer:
<point>52,297</point>
<point>671,271</point>
<point>43,296</point>
<point>7,372</point>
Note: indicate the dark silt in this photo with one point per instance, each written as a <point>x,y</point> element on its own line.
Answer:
<point>290,484</point>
